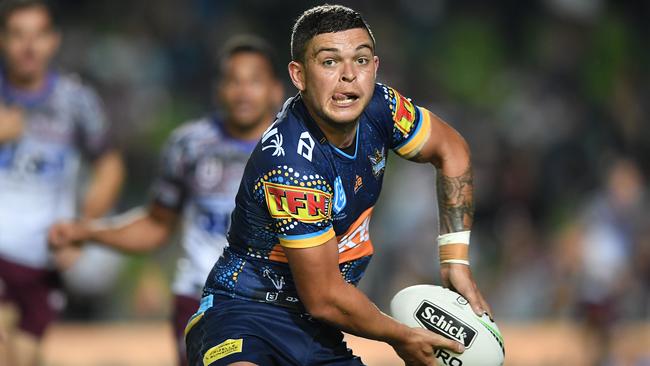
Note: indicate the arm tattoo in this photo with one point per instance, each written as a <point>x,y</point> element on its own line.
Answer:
<point>455,201</point>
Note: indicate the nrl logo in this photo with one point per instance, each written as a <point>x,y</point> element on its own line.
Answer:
<point>378,161</point>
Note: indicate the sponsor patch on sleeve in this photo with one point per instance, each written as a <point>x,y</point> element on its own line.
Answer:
<point>403,111</point>
<point>223,349</point>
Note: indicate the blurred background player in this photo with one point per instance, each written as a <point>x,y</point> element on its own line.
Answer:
<point>201,168</point>
<point>48,121</point>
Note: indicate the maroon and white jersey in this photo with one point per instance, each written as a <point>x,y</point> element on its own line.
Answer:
<point>63,123</point>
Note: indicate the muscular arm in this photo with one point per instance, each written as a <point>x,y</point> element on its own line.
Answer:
<point>329,298</point>
<point>135,232</point>
<point>448,152</point>
<point>107,178</point>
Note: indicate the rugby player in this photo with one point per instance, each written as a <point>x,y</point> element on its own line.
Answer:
<point>284,288</point>
<point>49,121</point>
<point>201,168</point>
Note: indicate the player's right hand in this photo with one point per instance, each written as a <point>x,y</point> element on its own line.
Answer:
<point>418,347</point>
<point>11,122</point>
<point>66,233</point>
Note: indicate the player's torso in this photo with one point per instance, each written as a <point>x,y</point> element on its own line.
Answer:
<point>212,173</point>
<point>212,167</point>
<point>39,169</point>
<point>46,153</point>
<point>254,266</point>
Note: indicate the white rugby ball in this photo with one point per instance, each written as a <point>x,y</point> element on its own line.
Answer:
<point>447,313</point>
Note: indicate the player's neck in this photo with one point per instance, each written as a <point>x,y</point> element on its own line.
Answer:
<point>248,133</point>
<point>340,135</point>
<point>31,83</point>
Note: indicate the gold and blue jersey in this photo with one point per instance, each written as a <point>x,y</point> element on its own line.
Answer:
<point>300,191</point>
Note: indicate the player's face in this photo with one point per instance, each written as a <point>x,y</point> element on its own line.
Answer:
<point>29,42</point>
<point>337,79</point>
<point>249,92</point>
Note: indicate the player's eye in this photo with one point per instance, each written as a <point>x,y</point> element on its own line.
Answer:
<point>363,60</point>
<point>329,62</point>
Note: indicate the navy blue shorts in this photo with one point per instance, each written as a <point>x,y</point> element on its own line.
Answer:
<point>227,330</point>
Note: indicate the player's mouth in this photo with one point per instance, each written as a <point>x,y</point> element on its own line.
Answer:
<point>344,99</point>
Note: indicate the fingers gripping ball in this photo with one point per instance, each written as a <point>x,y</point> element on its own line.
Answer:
<point>447,313</point>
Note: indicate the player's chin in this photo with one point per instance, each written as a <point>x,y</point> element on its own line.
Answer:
<point>344,118</point>
<point>345,115</point>
<point>246,120</point>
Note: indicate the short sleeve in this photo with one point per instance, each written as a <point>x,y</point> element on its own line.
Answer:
<point>299,201</point>
<point>169,187</point>
<point>92,123</point>
<point>408,125</point>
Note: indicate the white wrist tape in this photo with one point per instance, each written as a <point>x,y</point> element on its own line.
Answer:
<point>454,248</point>
<point>460,237</point>
<point>455,261</point>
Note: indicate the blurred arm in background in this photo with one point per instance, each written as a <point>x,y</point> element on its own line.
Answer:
<point>136,231</point>
<point>107,179</point>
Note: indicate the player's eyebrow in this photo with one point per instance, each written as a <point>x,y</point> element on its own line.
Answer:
<point>336,50</point>
<point>326,49</point>
<point>365,45</point>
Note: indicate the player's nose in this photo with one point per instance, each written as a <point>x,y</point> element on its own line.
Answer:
<point>348,73</point>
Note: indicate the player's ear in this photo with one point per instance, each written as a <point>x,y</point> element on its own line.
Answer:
<point>297,74</point>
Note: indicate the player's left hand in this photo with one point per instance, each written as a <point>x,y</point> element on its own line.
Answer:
<point>66,233</point>
<point>458,277</point>
<point>66,257</point>
<point>65,239</point>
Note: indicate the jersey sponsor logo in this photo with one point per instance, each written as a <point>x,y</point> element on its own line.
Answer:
<point>275,140</point>
<point>305,145</point>
<point>403,113</point>
<point>439,321</point>
<point>378,161</point>
<point>27,160</point>
<point>223,349</point>
<point>356,237</point>
<point>339,195</point>
<point>300,203</point>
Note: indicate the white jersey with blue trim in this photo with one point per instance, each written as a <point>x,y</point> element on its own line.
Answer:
<point>62,122</point>
<point>201,168</point>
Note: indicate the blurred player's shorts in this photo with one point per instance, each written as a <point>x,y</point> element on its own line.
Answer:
<point>34,292</point>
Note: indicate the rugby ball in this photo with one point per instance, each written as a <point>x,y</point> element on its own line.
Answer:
<point>447,313</point>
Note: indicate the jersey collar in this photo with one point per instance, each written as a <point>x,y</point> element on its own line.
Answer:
<point>12,95</point>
